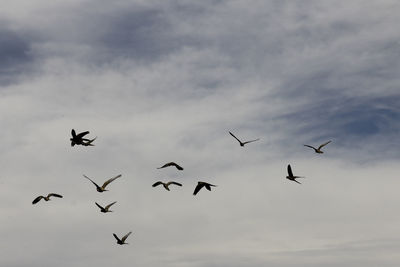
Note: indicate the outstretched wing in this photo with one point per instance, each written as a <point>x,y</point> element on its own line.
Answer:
<point>125,237</point>
<point>251,141</point>
<point>36,200</point>
<point>289,170</point>
<point>171,164</point>
<point>88,141</point>
<point>91,181</point>
<point>198,187</point>
<point>110,180</point>
<point>116,237</point>
<point>324,144</point>
<point>175,183</point>
<point>109,205</point>
<point>310,147</point>
<point>235,137</point>
<point>100,207</point>
<point>157,183</point>
<point>82,134</point>
<point>73,133</point>
<point>54,195</point>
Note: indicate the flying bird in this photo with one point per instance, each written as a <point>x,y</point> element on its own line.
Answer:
<point>243,143</point>
<point>171,164</point>
<point>106,208</point>
<point>166,185</point>
<point>122,240</point>
<point>47,198</point>
<point>291,176</point>
<point>318,150</point>
<point>103,187</point>
<point>77,139</point>
<point>200,185</point>
<point>88,142</point>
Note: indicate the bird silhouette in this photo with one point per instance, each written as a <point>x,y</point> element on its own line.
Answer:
<point>103,187</point>
<point>200,185</point>
<point>291,176</point>
<point>122,240</point>
<point>106,208</point>
<point>77,139</point>
<point>88,142</point>
<point>47,198</point>
<point>243,143</point>
<point>318,150</point>
<point>171,164</point>
<point>166,185</point>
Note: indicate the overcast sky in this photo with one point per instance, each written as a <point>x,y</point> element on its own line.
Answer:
<point>160,81</point>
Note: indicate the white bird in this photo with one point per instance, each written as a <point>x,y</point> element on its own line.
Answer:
<point>122,240</point>
<point>166,185</point>
<point>291,176</point>
<point>47,198</point>
<point>243,143</point>
<point>103,187</point>
<point>200,185</point>
<point>106,208</point>
<point>318,150</point>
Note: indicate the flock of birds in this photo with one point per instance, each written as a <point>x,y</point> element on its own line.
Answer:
<point>78,139</point>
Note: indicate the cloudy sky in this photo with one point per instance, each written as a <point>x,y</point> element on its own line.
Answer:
<point>159,81</point>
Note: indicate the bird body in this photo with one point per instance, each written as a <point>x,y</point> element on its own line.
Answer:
<point>46,198</point>
<point>103,187</point>
<point>171,164</point>
<point>106,208</point>
<point>122,240</point>
<point>77,139</point>
<point>243,143</point>
<point>200,185</point>
<point>291,176</point>
<point>166,185</point>
<point>318,150</point>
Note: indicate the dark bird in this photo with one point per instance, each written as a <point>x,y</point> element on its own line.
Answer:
<point>318,150</point>
<point>166,185</point>
<point>106,208</point>
<point>77,139</point>
<point>243,143</point>
<point>171,164</point>
<point>103,187</point>
<point>200,185</point>
<point>122,240</point>
<point>291,176</point>
<point>36,200</point>
<point>88,142</point>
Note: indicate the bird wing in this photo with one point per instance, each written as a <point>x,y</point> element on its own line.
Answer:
<point>109,205</point>
<point>82,134</point>
<point>235,137</point>
<point>289,170</point>
<point>73,133</point>
<point>324,144</point>
<point>54,195</point>
<point>251,141</point>
<point>310,147</point>
<point>157,183</point>
<point>36,200</point>
<point>296,181</point>
<point>171,164</point>
<point>198,187</point>
<point>175,183</point>
<point>100,207</point>
<point>208,186</point>
<point>125,237</point>
<point>116,237</point>
<point>91,181</point>
<point>110,180</point>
